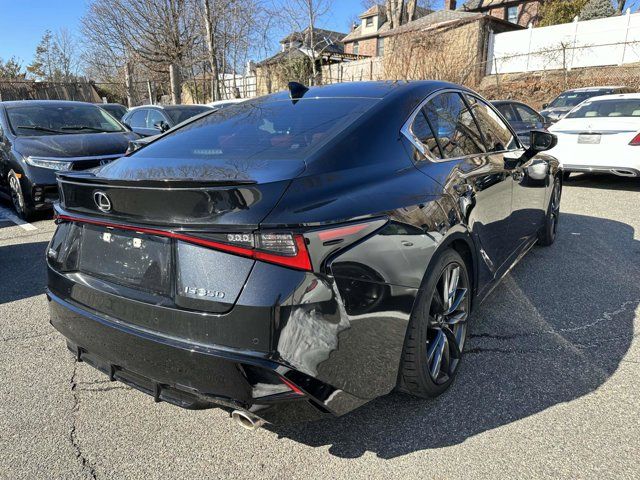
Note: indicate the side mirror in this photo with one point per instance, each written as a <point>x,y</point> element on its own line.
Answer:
<point>132,147</point>
<point>541,141</point>
<point>545,105</point>
<point>162,126</point>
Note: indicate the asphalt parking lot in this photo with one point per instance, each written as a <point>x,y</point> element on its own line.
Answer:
<point>549,385</point>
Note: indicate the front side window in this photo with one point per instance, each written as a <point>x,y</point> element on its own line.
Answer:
<point>56,119</point>
<point>153,117</point>
<point>497,135</point>
<point>457,132</point>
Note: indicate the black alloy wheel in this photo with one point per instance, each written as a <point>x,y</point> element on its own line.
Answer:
<point>17,197</point>
<point>550,229</point>
<point>438,328</point>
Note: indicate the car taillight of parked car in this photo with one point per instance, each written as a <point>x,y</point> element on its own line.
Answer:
<point>636,140</point>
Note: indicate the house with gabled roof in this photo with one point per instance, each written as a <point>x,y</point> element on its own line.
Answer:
<point>521,12</point>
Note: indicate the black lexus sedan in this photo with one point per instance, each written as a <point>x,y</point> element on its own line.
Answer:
<point>297,255</point>
<point>41,137</point>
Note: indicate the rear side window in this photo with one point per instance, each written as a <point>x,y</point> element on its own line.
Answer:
<point>496,134</point>
<point>260,129</point>
<point>457,133</point>
<point>423,132</point>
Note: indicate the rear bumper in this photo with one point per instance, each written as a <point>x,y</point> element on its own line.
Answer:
<point>192,375</point>
<point>621,171</point>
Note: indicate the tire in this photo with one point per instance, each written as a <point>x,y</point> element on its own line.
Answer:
<point>547,235</point>
<point>432,335</point>
<point>17,197</point>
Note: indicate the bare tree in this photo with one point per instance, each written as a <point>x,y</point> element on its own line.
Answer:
<point>303,16</point>
<point>160,33</point>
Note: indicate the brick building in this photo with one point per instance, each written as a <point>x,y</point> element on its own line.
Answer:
<point>367,38</point>
<point>522,12</point>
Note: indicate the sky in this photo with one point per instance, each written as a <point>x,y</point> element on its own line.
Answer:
<point>22,22</point>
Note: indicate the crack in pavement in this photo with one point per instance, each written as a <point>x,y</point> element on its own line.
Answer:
<point>606,316</point>
<point>73,437</point>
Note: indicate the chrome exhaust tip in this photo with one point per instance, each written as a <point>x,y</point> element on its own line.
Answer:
<point>247,420</point>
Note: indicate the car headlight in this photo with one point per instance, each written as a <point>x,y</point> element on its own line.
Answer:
<point>49,163</point>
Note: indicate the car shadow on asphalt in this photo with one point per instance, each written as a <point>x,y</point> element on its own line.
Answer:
<point>22,271</point>
<point>554,330</point>
<point>603,181</point>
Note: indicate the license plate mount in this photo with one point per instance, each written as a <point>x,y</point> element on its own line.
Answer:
<point>589,138</point>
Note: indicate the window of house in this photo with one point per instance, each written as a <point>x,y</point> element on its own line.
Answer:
<point>512,14</point>
<point>453,124</point>
<point>369,22</point>
<point>380,47</point>
<point>356,48</point>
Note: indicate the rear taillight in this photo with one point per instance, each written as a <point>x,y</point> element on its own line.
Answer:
<point>286,249</point>
<point>636,140</point>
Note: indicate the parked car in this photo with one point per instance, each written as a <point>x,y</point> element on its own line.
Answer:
<point>41,137</point>
<point>153,119</point>
<point>296,256</point>
<point>566,101</point>
<point>116,110</point>
<point>141,142</point>
<point>521,117</point>
<point>601,135</point>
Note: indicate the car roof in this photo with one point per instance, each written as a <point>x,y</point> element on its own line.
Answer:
<point>594,89</point>
<point>18,103</point>
<point>496,102</point>
<point>613,96</point>
<point>165,107</point>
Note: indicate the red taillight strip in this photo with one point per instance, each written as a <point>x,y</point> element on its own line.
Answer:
<point>300,261</point>
<point>635,141</point>
<point>294,388</point>
<point>341,231</point>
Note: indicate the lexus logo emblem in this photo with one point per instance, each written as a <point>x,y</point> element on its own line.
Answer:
<point>102,201</point>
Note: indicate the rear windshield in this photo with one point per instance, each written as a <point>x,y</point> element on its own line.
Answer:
<point>180,114</point>
<point>264,129</point>
<point>34,120</point>
<point>571,99</point>
<point>608,108</point>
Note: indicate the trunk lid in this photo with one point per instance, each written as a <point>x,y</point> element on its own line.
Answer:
<point>180,194</point>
